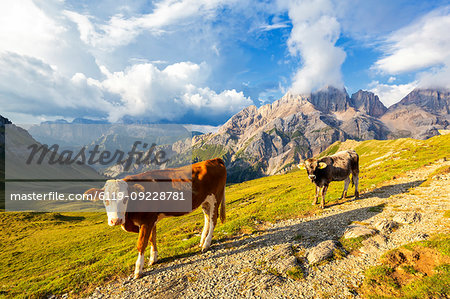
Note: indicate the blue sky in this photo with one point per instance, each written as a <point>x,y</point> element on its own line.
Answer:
<point>201,61</point>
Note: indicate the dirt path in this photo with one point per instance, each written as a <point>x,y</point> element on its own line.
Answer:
<point>241,267</point>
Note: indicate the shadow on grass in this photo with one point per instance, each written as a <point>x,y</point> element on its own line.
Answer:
<point>387,191</point>
<point>312,232</point>
<point>382,192</point>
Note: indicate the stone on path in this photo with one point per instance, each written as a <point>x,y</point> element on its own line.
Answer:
<point>357,230</point>
<point>321,252</point>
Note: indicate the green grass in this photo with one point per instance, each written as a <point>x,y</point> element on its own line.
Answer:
<point>435,286</point>
<point>380,283</point>
<point>440,242</point>
<point>52,253</point>
<point>440,171</point>
<point>331,150</point>
<point>295,273</point>
<point>208,151</point>
<point>353,244</point>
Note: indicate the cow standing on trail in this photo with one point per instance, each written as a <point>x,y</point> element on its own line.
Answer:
<point>337,167</point>
<point>208,191</point>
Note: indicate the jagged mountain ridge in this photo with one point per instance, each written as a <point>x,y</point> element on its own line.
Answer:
<point>420,114</point>
<point>272,138</point>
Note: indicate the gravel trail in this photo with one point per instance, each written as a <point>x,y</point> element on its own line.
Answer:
<point>255,265</point>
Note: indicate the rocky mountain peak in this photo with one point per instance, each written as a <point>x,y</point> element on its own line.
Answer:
<point>421,114</point>
<point>330,99</point>
<point>430,100</point>
<point>368,102</point>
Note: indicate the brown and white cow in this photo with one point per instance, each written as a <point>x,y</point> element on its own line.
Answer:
<point>337,167</point>
<point>208,191</point>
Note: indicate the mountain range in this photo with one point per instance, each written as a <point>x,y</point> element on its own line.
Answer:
<point>274,137</point>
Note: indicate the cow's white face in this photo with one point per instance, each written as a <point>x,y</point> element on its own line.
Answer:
<point>115,200</point>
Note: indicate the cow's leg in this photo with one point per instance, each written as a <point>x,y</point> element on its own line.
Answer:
<point>346,183</point>
<point>317,195</point>
<point>324,192</point>
<point>144,234</point>
<point>206,207</point>
<point>355,178</point>
<point>153,248</point>
<point>212,221</point>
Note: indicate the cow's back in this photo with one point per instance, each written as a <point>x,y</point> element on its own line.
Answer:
<point>342,164</point>
<point>208,177</point>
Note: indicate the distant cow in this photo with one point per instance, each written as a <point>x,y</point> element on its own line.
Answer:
<point>337,167</point>
<point>208,191</point>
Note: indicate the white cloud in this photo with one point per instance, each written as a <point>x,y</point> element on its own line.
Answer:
<point>390,94</point>
<point>438,77</point>
<point>421,45</point>
<point>170,93</point>
<point>313,37</point>
<point>27,30</point>
<point>29,85</point>
<point>268,27</point>
<point>119,30</point>
<point>50,61</point>
<point>142,91</point>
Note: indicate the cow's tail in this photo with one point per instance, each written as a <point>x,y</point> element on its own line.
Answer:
<point>222,212</point>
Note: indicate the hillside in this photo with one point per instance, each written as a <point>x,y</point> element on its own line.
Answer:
<point>272,138</point>
<point>44,254</point>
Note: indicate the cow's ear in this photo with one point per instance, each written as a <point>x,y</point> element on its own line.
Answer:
<point>94,194</point>
<point>322,165</point>
<point>301,166</point>
<point>137,188</point>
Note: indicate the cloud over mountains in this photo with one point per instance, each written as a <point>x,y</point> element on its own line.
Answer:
<point>204,60</point>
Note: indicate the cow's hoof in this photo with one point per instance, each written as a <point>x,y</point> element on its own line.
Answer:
<point>153,258</point>
<point>205,249</point>
<point>137,275</point>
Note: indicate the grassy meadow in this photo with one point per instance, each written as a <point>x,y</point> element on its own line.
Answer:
<point>56,253</point>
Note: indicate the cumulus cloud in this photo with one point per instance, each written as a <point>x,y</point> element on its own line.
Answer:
<point>169,93</point>
<point>419,47</point>
<point>29,85</point>
<point>313,37</point>
<point>59,63</point>
<point>390,94</point>
<point>141,91</point>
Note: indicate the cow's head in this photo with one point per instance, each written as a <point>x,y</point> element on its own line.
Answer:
<point>312,166</point>
<point>115,197</point>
